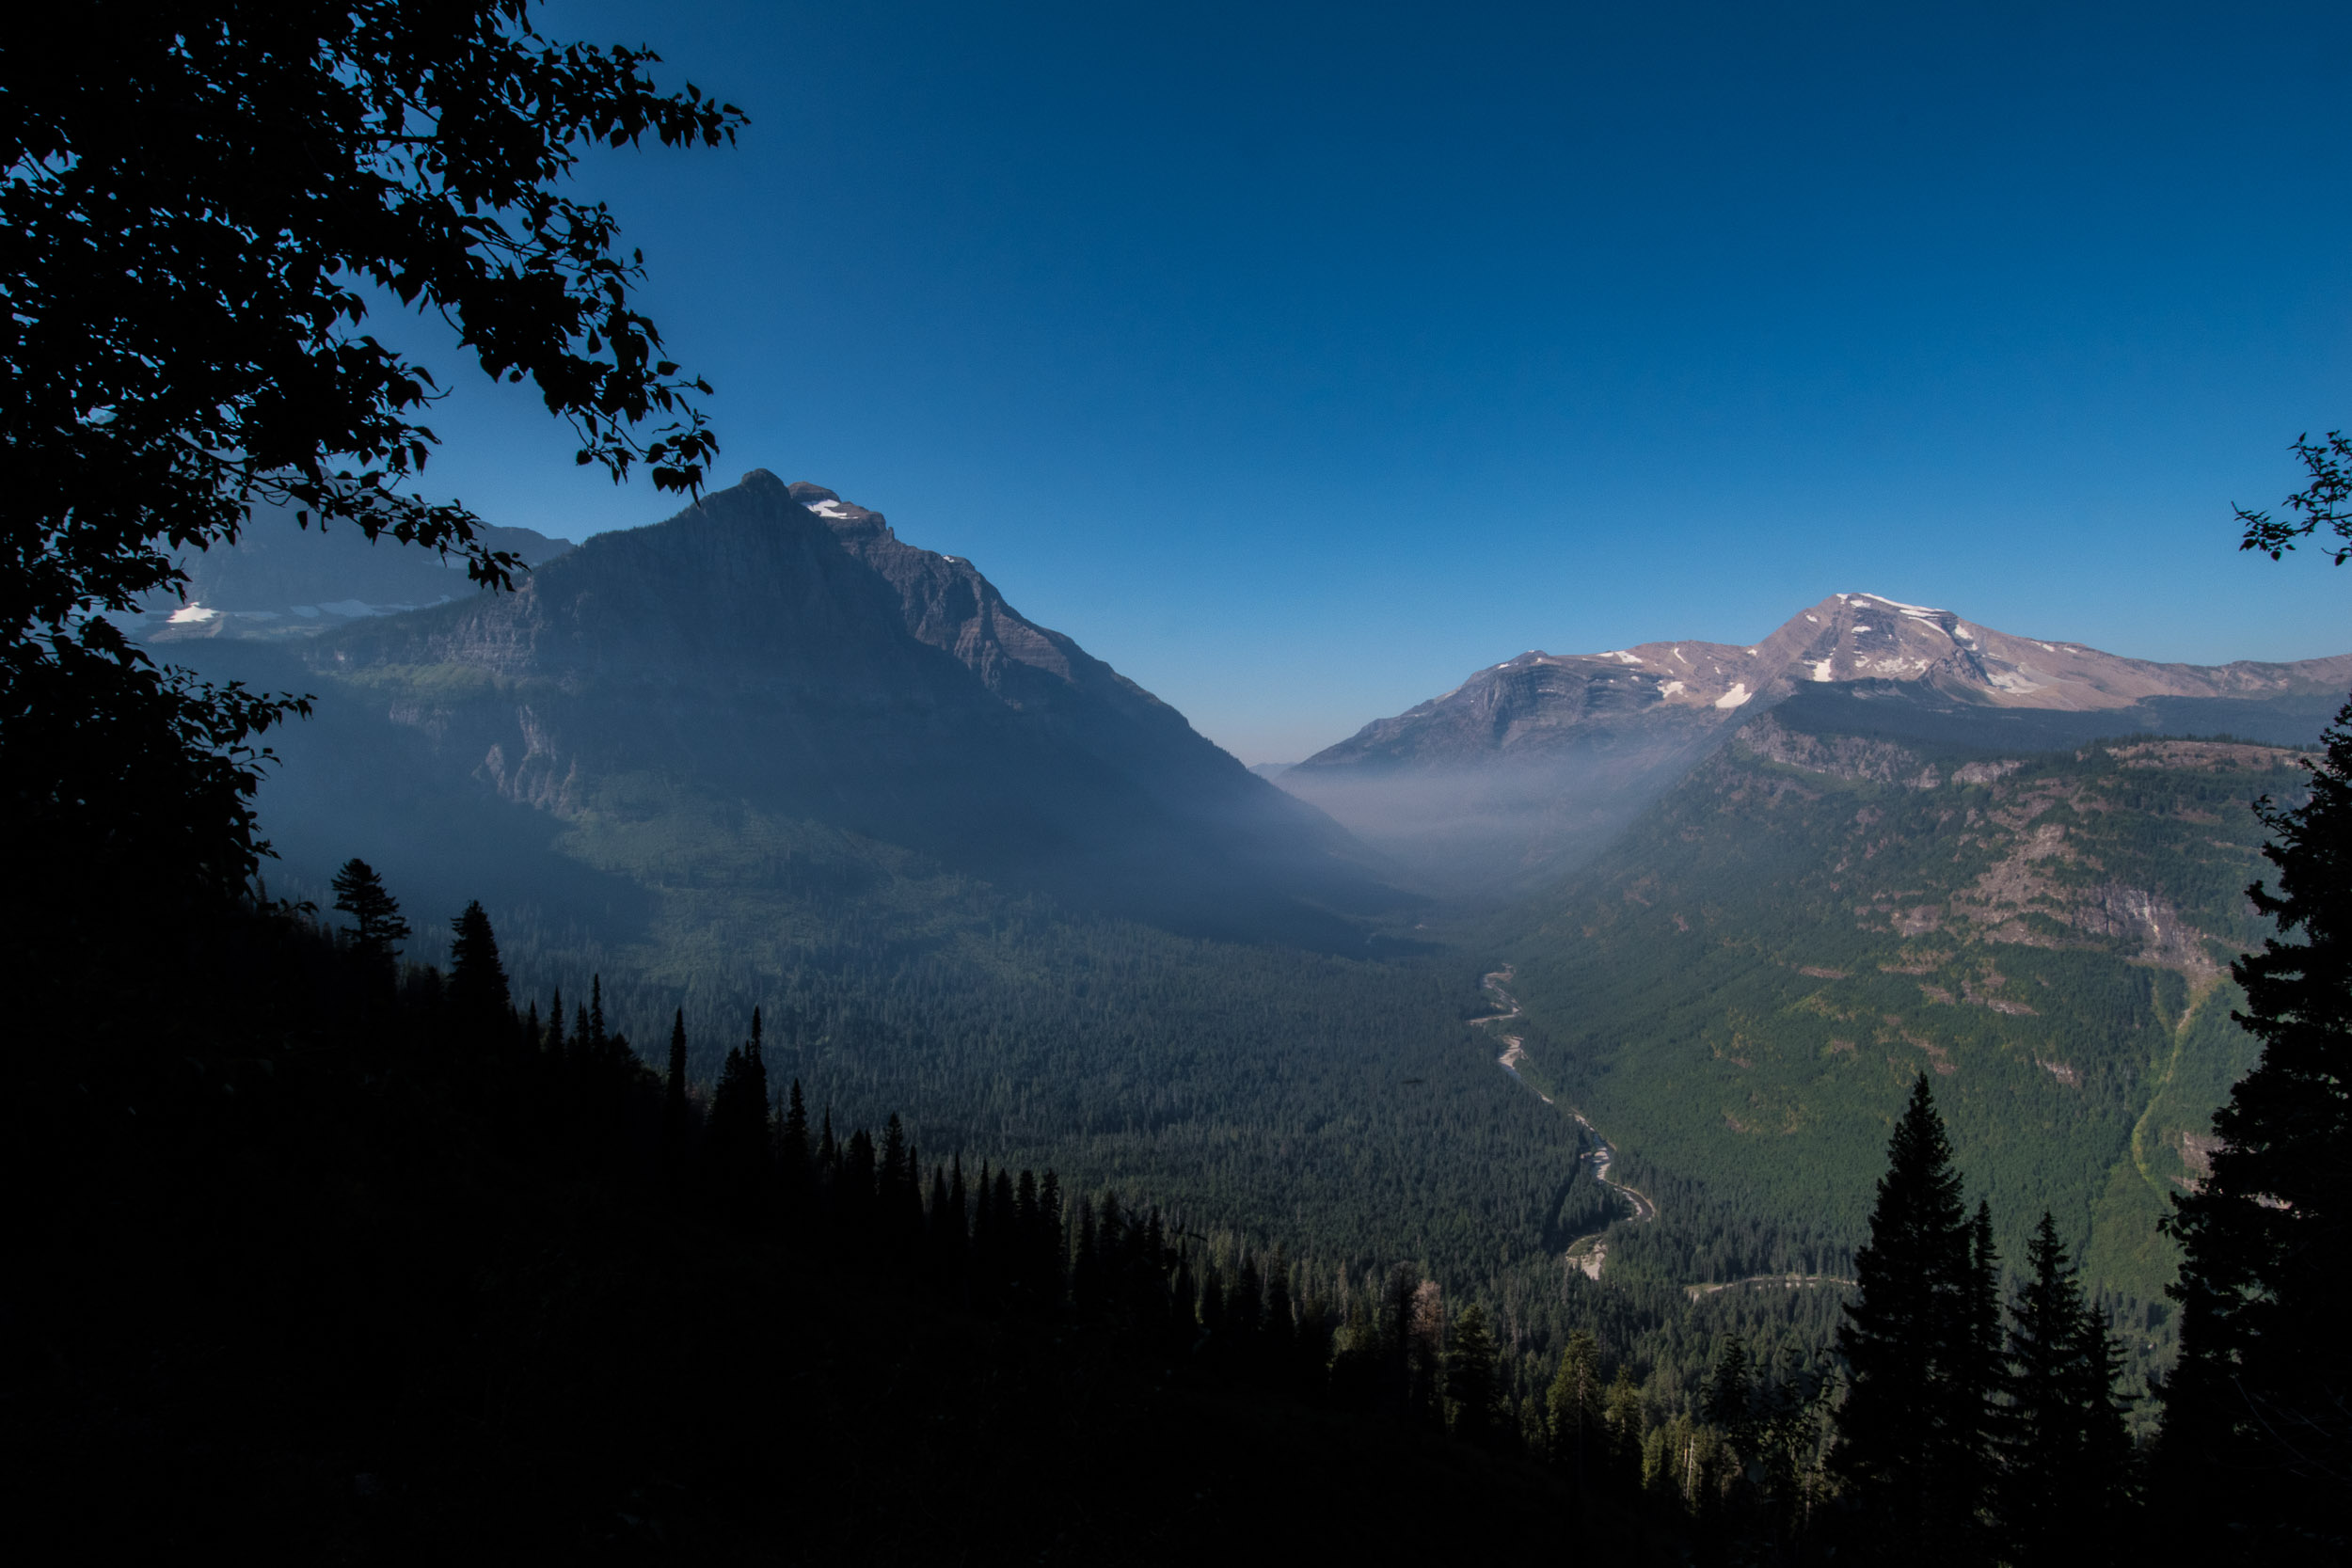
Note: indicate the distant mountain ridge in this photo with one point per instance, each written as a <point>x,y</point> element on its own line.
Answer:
<point>776,649</point>
<point>1535,761</point>
<point>280,580</point>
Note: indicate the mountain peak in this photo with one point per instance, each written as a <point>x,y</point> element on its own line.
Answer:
<point>1537,758</point>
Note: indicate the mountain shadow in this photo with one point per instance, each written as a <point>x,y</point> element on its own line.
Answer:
<point>776,651</point>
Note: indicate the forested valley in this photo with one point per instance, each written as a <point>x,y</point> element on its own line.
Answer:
<point>730,1043</point>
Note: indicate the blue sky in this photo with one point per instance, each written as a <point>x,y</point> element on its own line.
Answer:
<point>1298,359</point>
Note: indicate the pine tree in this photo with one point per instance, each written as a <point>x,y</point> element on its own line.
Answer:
<point>2065,1453</point>
<point>793,1177</point>
<point>1048,1267</point>
<point>854,1190</point>
<point>600,1040</point>
<point>736,1134</point>
<point>1473,1395</point>
<point>477,981</point>
<point>1574,1404</point>
<point>1773,1427</point>
<point>376,923</point>
<point>1628,1424</point>
<point>2258,1413</point>
<point>1278,1325</point>
<point>673,1100</point>
<point>1244,1304</point>
<point>893,1188</point>
<point>1980,1369</point>
<point>1911,1433</point>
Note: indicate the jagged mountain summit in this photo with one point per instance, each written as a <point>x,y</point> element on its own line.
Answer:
<point>776,658</point>
<point>1532,763</point>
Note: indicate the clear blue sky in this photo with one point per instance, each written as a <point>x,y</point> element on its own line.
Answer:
<point>1298,359</point>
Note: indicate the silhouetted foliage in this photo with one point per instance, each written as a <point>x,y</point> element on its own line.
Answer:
<point>195,196</point>
<point>2326,503</point>
<point>2258,1415</point>
<point>378,927</point>
<point>1911,1449</point>
<point>2065,1454</point>
<point>1473,1397</point>
<point>477,980</point>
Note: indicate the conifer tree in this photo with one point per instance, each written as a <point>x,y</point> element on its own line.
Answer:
<point>1084,1287</point>
<point>1244,1303</point>
<point>892,1178</point>
<point>854,1190</point>
<point>1110,1239</point>
<point>477,981</point>
<point>1774,1426</point>
<point>1474,1395</point>
<point>1278,1327</point>
<point>792,1137</point>
<point>1047,1262</point>
<point>1628,1424</point>
<point>600,1040</point>
<point>2257,1440</point>
<point>1911,1433</point>
<point>735,1135</point>
<point>555,1028</point>
<point>1574,1403</point>
<point>1982,1361</point>
<point>2065,1454</point>
<point>376,923</point>
<point>944,1228</point>
<point>1425,1352</point>
<point>674,1100</point>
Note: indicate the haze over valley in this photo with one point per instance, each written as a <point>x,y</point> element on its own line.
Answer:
<point>1558,782</point>
<point>769,753</point>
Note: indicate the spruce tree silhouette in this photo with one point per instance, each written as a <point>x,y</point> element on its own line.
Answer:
<point>376,924</point>
<point>1473,1393</point>
<point>2064,1451</point>
<point>736,1134</point>
<point>478,996</point>
<point>1911,1433</point>
<point>2256,1447</point>
<point>674,1109</point>
<point>1573,1404</point>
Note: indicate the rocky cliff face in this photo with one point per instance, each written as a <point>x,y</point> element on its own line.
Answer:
<point>1530,763</point>
<point>777,647</point>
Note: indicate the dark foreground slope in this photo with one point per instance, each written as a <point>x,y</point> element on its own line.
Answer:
<point>1741,990</point>
<point>320,1276</point>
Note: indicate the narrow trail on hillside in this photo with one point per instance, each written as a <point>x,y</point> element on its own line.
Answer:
<point>1587,1253</point>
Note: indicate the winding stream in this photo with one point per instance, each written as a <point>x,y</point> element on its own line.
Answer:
<point>1588,1253</point>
